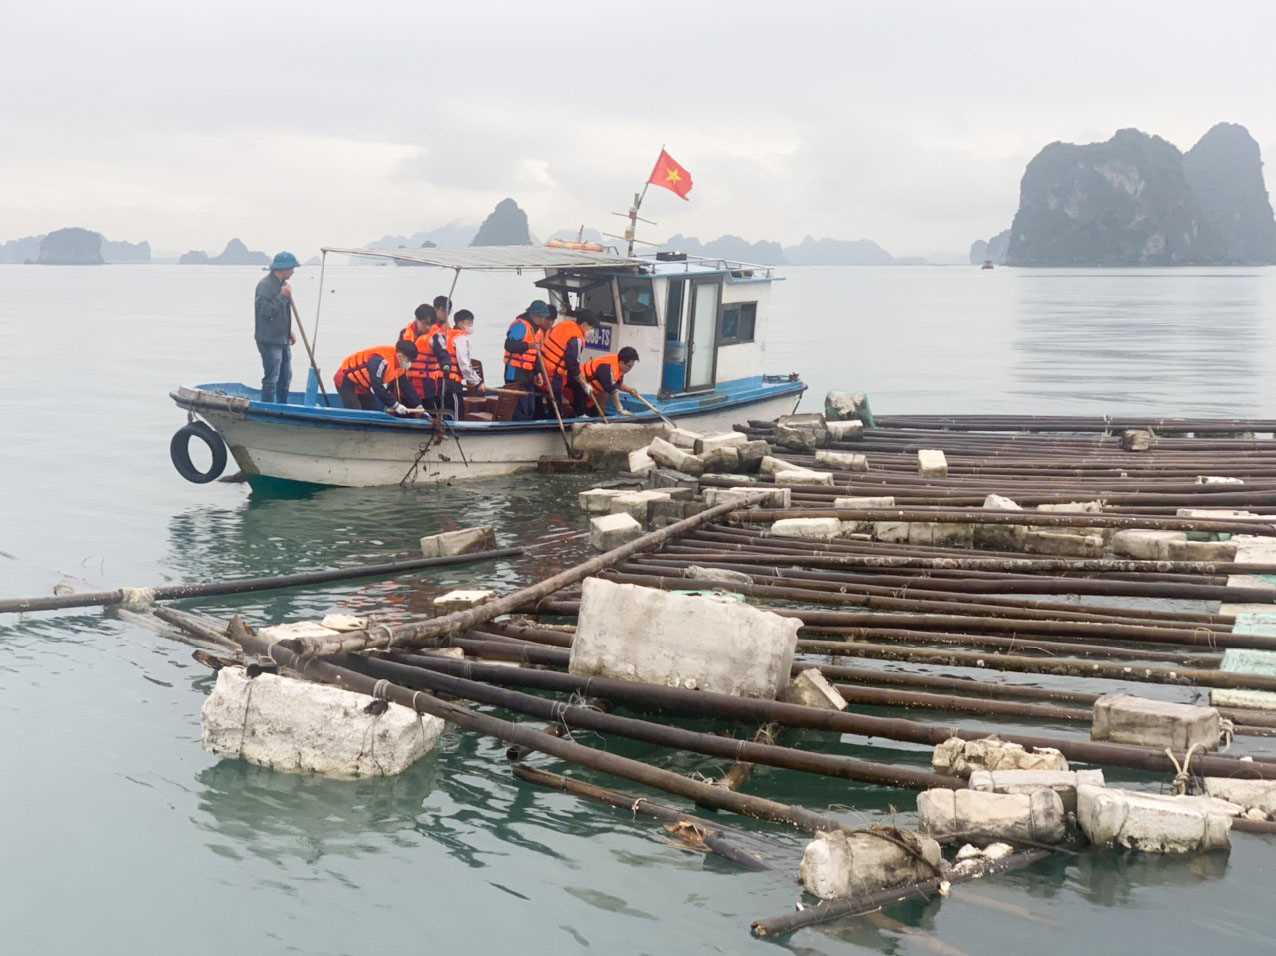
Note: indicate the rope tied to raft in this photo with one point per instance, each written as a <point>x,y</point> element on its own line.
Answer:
<point>1226,730</point>
<point>1183,774</point>
<point>389,633</point>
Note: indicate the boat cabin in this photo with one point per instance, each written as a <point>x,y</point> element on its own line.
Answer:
<point>696,323</point>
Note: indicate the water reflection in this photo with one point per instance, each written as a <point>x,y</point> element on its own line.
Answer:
<point>1149,340</point>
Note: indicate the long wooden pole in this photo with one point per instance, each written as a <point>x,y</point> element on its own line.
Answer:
<point>549,388</point>
<point>309,351</point>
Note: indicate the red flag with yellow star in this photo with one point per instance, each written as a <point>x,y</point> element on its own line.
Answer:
<point>671,175</point>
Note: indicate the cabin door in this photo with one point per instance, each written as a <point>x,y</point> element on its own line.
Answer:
<point>702,337</point>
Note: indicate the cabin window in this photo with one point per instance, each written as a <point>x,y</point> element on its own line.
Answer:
<point>738,321</point>
<point>673,310</point>
<point>637,301</point>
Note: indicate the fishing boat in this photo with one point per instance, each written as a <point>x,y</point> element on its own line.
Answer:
<point>698,324</point>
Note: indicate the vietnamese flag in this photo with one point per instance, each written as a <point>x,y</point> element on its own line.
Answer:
<point>671,175</point>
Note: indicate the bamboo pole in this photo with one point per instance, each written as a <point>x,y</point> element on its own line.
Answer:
<point>169,592</point>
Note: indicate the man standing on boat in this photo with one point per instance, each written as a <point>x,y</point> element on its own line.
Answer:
<point>417,332</point>
<point>562,350</point>
<point>522,345</point>
<point>273,328</point>
<point>437,361</point>
<point>460,371</point>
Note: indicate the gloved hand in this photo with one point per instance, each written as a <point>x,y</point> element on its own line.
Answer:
<point>398,408</point>
<point>626,412</point>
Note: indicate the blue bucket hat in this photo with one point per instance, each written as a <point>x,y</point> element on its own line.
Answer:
<point>538,309</point>
<point>283,260</point>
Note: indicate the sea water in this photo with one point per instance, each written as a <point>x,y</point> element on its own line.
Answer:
<point>118,834</point>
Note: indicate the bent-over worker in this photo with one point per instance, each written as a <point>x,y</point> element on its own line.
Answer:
<point>375,379</point>
<point>606,376</point>
<point>460,369</point>
<point>522,344</point>
<point>272,328</point>
<point>562,350</point>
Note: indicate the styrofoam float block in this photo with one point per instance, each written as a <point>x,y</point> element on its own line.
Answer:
<point>1062,782</point>
<point>815,529</point>
<point>597,501</point>
<point>771,466</point>
<point>461,541</point>
<point>611,531</point>
<point>644,634</point>
<point>801,476</point>
<point>763,496</point>
<point>961,757</point>
<point>1060,544</point>
<point>843,460</point>
<point>299,727</point>
<point>641,463</point>
<point>1146,545</point>
<point>1037,815</point>
<point>1127,719</point>
<point>1151,822</point>
<point>811,689</point>
<point>931,463</point>
<point>710,443</point>
<point>839,864</point>
<point>637,503</point>
<point>461,600</point>
<point>1244,660</point>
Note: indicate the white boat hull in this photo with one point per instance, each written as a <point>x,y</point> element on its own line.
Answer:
<point>358,457</point>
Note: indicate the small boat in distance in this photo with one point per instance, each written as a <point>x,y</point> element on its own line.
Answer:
<point>698,325</point>
<point>987,264</point>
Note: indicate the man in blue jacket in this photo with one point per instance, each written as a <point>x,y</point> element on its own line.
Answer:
<point>273,332</point>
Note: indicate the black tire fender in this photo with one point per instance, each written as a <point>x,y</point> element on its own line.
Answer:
<point>179,451</point>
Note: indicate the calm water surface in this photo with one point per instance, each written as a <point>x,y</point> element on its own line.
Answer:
<point>119,835</point>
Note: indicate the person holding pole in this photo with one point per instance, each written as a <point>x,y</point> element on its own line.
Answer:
<point>561,352</point>
<point>272,307</point>
<point>606,376</point>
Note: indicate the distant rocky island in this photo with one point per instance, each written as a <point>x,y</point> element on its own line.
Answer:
<point>235,254</point>
<point>1136,200</point>
<point>810,252</point>
<point>506,225</point>
<point>73,246</point>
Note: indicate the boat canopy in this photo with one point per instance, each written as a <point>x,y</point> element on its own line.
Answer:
<point>497,258</point>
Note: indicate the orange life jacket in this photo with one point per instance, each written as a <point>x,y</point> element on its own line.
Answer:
<point>417,372</point>
<point>525,361</point>
<point>590,370</point>
<point>355,368</point>
<point>554,346</point>
<point>433,370</point>
<point>454,370</point>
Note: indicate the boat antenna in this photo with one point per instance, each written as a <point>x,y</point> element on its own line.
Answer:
<point>631,231</point>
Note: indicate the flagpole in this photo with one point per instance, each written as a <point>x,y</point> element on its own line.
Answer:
<point>638,198</point>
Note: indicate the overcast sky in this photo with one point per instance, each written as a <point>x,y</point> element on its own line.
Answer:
<point>298,124</point>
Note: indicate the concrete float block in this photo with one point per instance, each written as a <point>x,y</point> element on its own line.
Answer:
<point>299,727</point>
<point>682,438</point>
<point>1127,719</point>
<point>1220,551</point>
<point>611,531</point>
<point>844,431</point>
<point>812,529</point>
<point>720,575</point>
<point>931,463</point>
<point>666,479</point>
<point>941,534</point>
<point>961,757</point>
<point>461,600</point>
<point>1146,545</point>
<point>664,512</point>
<point>763,496</point>
<point>670,456</point>
<point>844,406</point>
<point>801,476</point>
<point>1073,508</point>
<point>462,541</point>
<point>637,503</point>
<point>751,454</point>
<point>614,438</point>
<point>838,864</point>
<point>1218,480</point>
<point>1151,822</point>
<point>1062,782</point>
<point>1061,544</point>
<point>805,440</point>
<point>1249,794</point>
<point>708,443</point>
<point>1037,815</point>
<point>1136,439</point>
<point>725,459</point>
<point>644,634</point>
<point>641,463</point>
<point>864,501</point>
<point>812,689</point>
<point>842,460</point>
<point>598,500</point>
<point>770,465</point>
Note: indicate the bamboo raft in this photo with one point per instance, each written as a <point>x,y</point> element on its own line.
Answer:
<point>886,623</point>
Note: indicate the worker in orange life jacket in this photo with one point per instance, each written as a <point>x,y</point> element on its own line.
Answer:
<point>522,345</point>
<point>606,377</point>
<point>434,352</point>
<point>460,372</point>
<point>563,353</point>
<point>375,379</point>
<point>417,332</point>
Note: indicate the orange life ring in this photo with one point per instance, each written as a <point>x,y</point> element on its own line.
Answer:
<point>574,246</point>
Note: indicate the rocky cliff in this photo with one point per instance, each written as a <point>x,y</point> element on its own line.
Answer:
<point>19,251</point>
<point>235,254</point>
<point>994,249</point>
<point>1135,200</point>
<point>810,252</point>
<point>71,247</point>
<point>121,251</point>
<point>1225,171</point>
<point>505,226</point>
